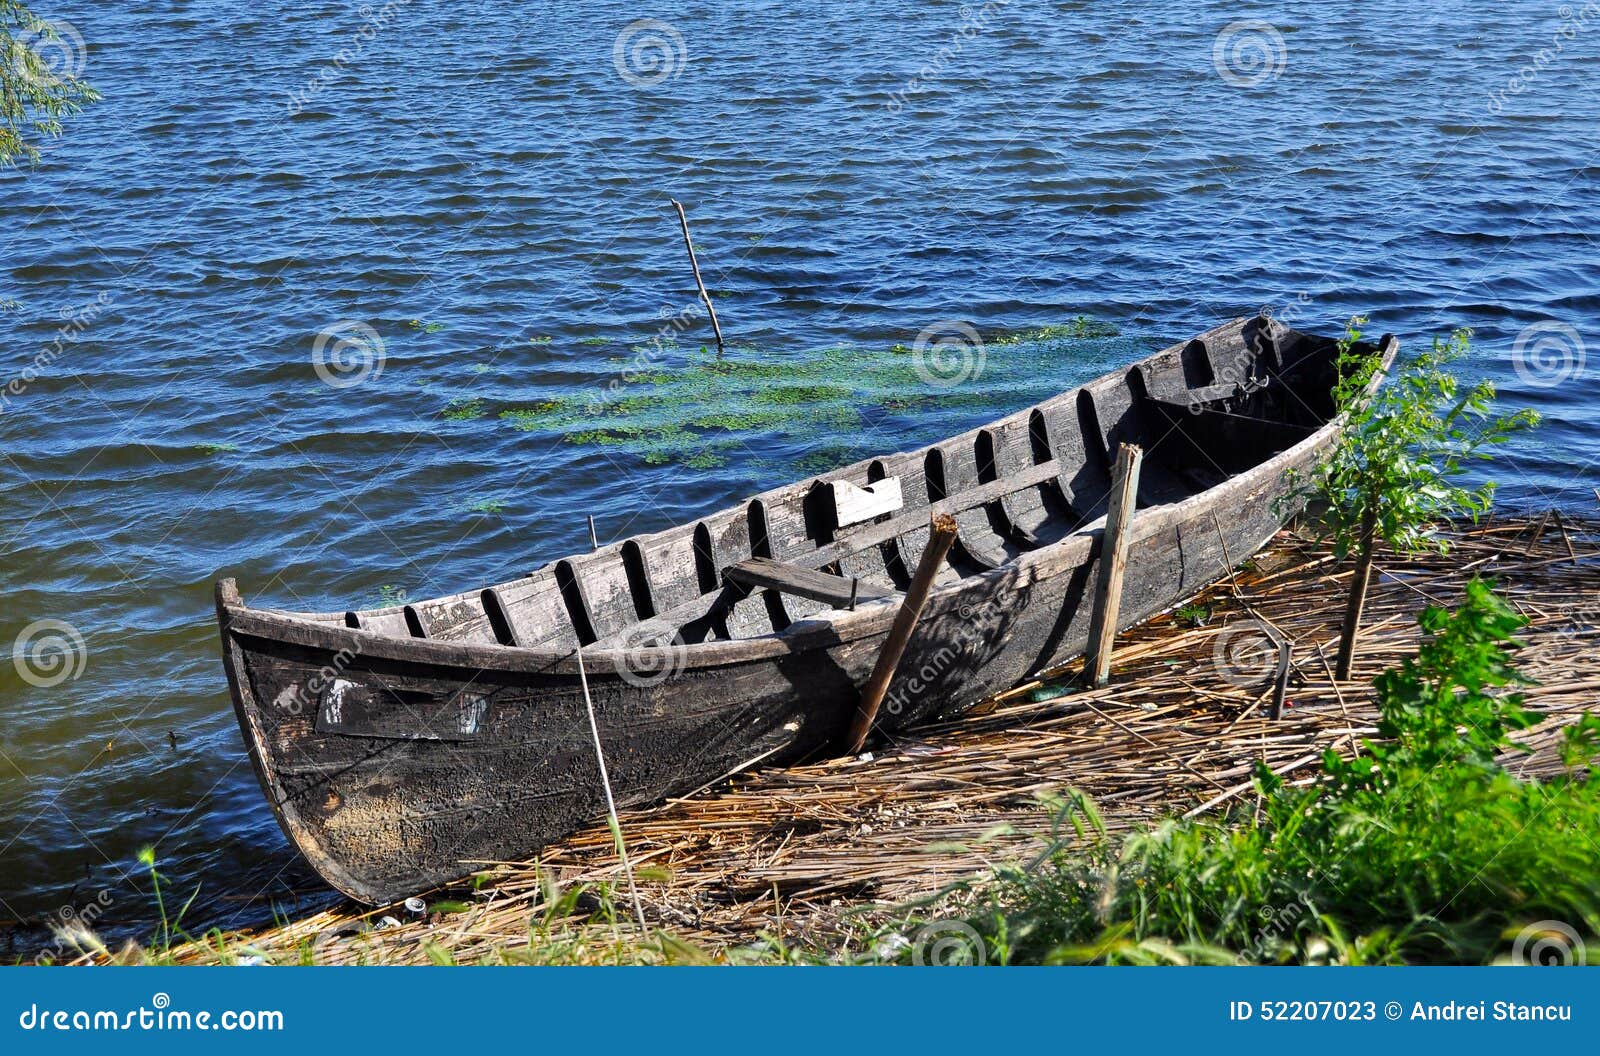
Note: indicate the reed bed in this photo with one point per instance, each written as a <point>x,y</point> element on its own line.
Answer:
<point>811,856</point>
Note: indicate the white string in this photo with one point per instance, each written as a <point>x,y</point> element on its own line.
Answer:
<point>611,803</point>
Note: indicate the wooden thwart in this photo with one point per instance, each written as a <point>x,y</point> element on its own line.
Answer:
<point>838,591</point>
<point>1113,562</point>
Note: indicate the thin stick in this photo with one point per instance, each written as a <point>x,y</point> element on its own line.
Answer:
<point>611,803</point>
<point>705,295</point>
<point>1113,562</point>
<point>594,540</point>
<point>941,537</point>
<point>1280,684</point>
<point>1566,537</point>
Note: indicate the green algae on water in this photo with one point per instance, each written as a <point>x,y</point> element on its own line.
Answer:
<point>463,409</point>
<point>827,407</point>
<point>1079,328</point>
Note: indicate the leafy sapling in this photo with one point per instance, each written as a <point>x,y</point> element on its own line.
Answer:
<point>1402,461</point>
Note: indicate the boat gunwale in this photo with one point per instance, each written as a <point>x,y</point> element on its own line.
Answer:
<point>822,630</point>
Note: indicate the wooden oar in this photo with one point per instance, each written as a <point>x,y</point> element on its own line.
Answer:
<point>942,534</point>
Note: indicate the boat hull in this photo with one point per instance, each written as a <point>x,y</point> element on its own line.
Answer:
<point>424,770</point>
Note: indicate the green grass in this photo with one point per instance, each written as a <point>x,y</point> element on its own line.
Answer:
<point>1423,849</point>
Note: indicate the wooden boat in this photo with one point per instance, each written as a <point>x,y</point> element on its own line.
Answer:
<point>404,747</point>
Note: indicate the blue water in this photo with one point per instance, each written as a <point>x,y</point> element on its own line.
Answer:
<point>480,188</point>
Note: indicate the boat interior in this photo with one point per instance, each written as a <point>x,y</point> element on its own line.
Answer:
<point>1202,411</point>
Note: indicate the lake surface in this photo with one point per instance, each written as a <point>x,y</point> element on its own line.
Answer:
<point>468,202</point>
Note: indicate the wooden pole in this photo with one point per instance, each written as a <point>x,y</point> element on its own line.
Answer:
<point>940,538</point>
<point>1356,603</point>
<point>1280,682</point>
<point>1113,562</point>
<point>705,294</point>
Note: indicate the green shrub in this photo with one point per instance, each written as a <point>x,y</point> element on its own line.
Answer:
<point>1421,849</point>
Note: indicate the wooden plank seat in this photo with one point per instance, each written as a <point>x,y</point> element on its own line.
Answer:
<point>833,591</point>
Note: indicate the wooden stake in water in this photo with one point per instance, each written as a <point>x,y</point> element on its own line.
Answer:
<point>611,803</point>
<point>1113,563</point>
<point>705,295</point>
